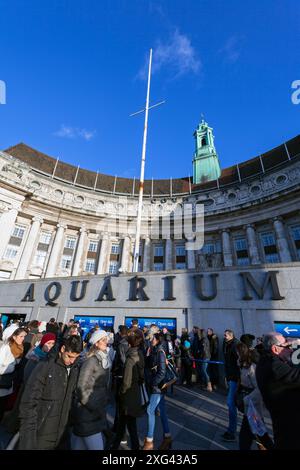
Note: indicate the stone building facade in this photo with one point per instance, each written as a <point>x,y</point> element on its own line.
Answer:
<point>59,221</point>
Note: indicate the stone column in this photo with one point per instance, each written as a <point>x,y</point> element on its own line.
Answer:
<point>29,247</point>
<point>79,251</point>
<point>56,250</point>
<point>7,223</point>
<point>125,253</point>
<point>147,254</point>
<point>282,243</point>
<point>252,244</point>
<point>104,253</point>
<point>226,248</point>
<point>168,254</point>
<point>190,254</point>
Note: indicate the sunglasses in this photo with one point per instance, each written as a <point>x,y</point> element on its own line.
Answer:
<point>284,345</point>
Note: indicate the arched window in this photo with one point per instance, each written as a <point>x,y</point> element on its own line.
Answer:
<point>203,142</point>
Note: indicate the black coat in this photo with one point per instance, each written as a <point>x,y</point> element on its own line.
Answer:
<point>195,346</point>
<point>232,370</point>
<point>156,364</point>
<point>120,358</point>
<point>279,384</point>
<point>89,411</point>
<point>45,404</point>
<point>214,346</point>
<point>130,396</point>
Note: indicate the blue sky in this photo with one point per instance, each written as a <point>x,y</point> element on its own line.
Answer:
<point>74,71</point>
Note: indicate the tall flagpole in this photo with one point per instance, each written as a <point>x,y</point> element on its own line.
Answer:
<point>141,187</point>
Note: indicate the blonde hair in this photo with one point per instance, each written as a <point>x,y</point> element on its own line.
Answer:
<point>92,351</point>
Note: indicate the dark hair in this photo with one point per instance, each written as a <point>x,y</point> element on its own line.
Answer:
<point>201,333</point>
<point>245,354</point>
<point>123,330</point>
<point>73,327</point>
<point>134,322</point>
<point>135,338</point>
<point>73,344</point>
<point>158,337</point>
<point>33,324</point>
<point>229,331</point>
<point>52,320</point>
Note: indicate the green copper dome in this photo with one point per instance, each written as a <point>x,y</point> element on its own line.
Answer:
<point>206,165</point>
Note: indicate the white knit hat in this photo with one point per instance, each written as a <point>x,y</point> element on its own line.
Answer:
<point>97,335</point>
<point>9,331</point>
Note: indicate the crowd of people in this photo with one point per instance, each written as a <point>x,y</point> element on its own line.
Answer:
<point>56,382</point>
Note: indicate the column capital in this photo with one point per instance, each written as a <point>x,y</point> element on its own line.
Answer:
<point>104,235</point>
<point>224,230</point>
<point>278,218</point>
<point>62,224</point>
<point>38,218</point>
<point>5,206</point>
<point>249,226</point>
<point>83,229</point>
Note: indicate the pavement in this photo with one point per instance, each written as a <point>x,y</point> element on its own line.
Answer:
<point>197,420</point>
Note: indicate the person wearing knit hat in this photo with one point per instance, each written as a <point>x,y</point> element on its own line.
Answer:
<point>92,395</point>
<point>97,336</point>
<point>39,353</point>
<point>8,332</point>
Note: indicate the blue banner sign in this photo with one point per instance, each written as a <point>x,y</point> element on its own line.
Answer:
<point>88,322</point>
<point>169,323</point>
<point>7,318</point>
<point>289,330</point>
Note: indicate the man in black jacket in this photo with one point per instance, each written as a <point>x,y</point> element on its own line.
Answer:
<point>232,373</point>
<point>46,402</point>
<point>118,370</point>
<point>279,383</point>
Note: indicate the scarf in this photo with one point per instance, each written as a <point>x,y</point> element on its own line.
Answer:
<point>17,350</point>
<point>106,359</point>
<point>40,353</point>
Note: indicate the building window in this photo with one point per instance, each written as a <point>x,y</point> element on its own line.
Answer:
<point>270,248</point>
<point>296,237</point>
<point>93,246</point>
<point>113,267</point>
<point>158,250</point>
<point>66,262</point>
<point>70,243</point>
<point>18,231</point>
<point>39,259</point>
<point>241,251</point>
<point>158,258</point>
<point>115,248</point>
<point>45,238</point>
<point>90,265</point>
<point>272,258</point>
<point>158,267</point>
<point>180,257</point>
<point>211,247</point>
<point>11,252</point>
